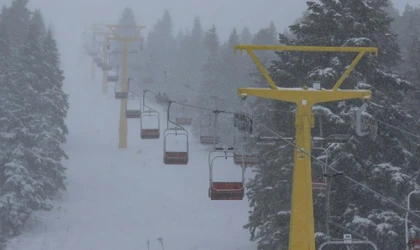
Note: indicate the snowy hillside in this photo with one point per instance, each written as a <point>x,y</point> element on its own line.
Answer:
<point>118,199</point>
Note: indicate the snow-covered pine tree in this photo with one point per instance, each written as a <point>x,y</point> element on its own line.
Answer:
<point>409,40</point>
<point>381,164</point>
<point>212,68</point>
<point>412,43</point>
<point>190,57</point>
<point>32,111</point>
<point>234,74</point>
<point>246,37</point>
<point>21,192</point>
<point>266,36</point>
<point>160,46</point>
<point>55,107</point>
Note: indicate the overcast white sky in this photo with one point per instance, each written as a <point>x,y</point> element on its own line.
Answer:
<point>225,14</point>
<point>70,16</point>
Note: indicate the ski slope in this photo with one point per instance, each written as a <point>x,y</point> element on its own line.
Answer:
<point>120,198</point>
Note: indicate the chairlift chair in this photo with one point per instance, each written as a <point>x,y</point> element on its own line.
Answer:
<point>242,122</point>
<point>246,159</point>
<point>112,78</point>
<point>162,99</point>
<point>149,113</point>
<point>106,66</point>
<point>149,133</point>
<point>183,121</point>
<point>349,245</point>
<point>240,157</point>
<point>414,244</point>
<point>319,184</point>
<point>365,125</point>
<point>225,190</point>
<point>205,137</point>
<point>120,94</point>
<point>133,113</point>
<point>174,157</point>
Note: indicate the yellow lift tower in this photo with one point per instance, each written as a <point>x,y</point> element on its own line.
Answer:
<point>302,236</point>
<point>124,74</point>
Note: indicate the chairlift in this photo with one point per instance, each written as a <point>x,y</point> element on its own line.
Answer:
<point>162,99</point>
<point>106,66</point>
<point>112,78</point>
<point>183,120</point>
<point>414,244</point>
<point>174,157</point>
<point>266,140</point>
<point>365,125</point>
<point>131,113</point>
<point>319,140</point>
<point>148,114</point>
<point>240,157</point>
<point>319,184</point>
<point>225,190</point>
<point>119,94</point>
<point>348,244</point>
<point>205,132</point>
<point>242,122</point>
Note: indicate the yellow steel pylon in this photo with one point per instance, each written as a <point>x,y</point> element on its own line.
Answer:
<point>301,235</point>
<point>124,75</point>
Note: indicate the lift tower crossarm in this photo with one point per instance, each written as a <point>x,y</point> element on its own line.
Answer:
<point>136,37</point>
<point>312,96</point>
<point>302,236</point>
<point>250,49</point>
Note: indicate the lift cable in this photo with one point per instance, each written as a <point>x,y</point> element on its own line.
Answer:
<point>340,172</point>
<point>290,111</point>
<point>310,155</point>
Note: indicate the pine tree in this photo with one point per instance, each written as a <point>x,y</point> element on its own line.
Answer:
<point>382,164</point>
<point>266,36</point>
<point>212,68</point>
<point>412,43</point>
<point>160,46</point>
<point>32,112</point>
<point>21,192</point>
<point>246,36</point>
<point>409,39</point>
<point>55,111</point>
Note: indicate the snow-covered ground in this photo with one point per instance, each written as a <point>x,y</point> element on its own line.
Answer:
<point>120,198</point>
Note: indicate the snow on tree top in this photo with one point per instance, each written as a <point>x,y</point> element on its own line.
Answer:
<point>363,85</point>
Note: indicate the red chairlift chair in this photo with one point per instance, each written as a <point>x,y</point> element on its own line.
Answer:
<point>225,190</point>
<point>149,113</point>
